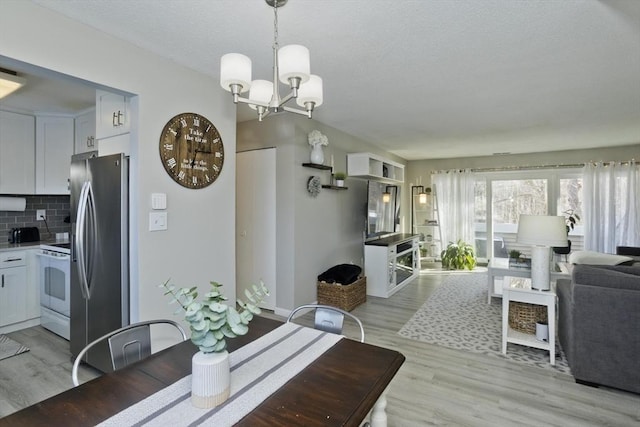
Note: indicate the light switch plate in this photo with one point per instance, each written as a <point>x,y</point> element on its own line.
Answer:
<point>158,201</point>
<point>157,221</point>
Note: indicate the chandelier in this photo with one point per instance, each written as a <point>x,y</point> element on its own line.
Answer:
<point>290,66</point>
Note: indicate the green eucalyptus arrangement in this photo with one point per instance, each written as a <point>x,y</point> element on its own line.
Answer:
<point>458,256</point>
<point>211,321</point>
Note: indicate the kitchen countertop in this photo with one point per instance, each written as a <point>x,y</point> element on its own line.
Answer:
<point>6,246</point>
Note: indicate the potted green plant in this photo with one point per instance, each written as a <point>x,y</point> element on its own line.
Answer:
<point>211,322</point>
<point>339,178</point>
<point>458,256</point>
<point>571,218</point>
<point>515,254</point>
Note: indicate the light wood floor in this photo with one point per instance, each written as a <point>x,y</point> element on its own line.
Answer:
<point>435,386</point>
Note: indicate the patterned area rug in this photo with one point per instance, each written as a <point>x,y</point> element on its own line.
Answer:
<point>9,347</point>
<point>457,316</point>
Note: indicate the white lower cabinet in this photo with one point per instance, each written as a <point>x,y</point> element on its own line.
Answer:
<point>19,294</point>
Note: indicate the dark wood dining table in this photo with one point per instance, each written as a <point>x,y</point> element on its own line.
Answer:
<point>339,388</point>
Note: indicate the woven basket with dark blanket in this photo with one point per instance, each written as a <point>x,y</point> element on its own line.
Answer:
<point>342,274</point>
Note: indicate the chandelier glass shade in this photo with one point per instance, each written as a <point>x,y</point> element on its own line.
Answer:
<point>291,66</point>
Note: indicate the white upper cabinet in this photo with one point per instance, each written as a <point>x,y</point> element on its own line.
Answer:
<point>112,114</point>
<point>85,132</point>
<point>17,153</point>
<point>54,147</point>
<point>371,166</point>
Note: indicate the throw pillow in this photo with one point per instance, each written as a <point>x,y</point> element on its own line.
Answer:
<point>597,258</point>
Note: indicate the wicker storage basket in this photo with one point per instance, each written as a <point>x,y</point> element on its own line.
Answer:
<point>344,297</point>
<point>523,316</point>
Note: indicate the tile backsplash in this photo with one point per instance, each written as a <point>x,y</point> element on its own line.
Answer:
<point>57,207</point>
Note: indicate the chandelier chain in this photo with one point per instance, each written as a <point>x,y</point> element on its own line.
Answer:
<point>275,24</point>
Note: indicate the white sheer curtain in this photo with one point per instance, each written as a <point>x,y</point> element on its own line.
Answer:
<point>611,206</point>
<point>455,194</point>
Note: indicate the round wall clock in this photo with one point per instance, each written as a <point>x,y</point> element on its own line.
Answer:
<point>313,186</point>
<point>191,150</point>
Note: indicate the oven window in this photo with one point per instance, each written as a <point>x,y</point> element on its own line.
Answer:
<point>55,283</point>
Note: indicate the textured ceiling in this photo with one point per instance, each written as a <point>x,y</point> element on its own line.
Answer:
<point>421,78</point>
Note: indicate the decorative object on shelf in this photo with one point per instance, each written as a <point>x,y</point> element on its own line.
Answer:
<point>290,65</point>
<point>211,322</point>
<point>191,150</point>
<point>458,256</point>
<point>541,231</point>
<point>313,186</point>
<point>317,140</point>
<point>339,178</point>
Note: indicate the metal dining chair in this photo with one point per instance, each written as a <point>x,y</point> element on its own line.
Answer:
<point>328,318</point>
<point>127,345</point>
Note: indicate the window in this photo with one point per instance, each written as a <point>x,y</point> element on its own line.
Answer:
<point>501,197</point>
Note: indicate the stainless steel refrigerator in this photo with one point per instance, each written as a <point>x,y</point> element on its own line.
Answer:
<point>99,252</point>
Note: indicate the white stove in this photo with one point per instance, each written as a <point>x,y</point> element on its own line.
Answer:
<point>55,287</point>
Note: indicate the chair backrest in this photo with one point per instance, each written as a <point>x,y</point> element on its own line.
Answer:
<point>127,345</point>
<point>329,319</point>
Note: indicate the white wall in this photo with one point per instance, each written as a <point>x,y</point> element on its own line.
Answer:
<point>313,234</point>
<point>199,245</point>
<point>420,170</point>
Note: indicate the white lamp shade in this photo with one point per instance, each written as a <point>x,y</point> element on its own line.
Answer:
<point>293,61</point>
<point>261,90</point>
<point>542,230</point>
<point>10,83</point>
<point>235,68</point>
<point>310,91</point>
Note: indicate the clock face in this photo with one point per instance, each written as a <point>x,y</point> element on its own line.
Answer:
<point>191,150</point>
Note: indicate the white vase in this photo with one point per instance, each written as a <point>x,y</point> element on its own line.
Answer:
<point>210,379</point>
<point>317,155</point>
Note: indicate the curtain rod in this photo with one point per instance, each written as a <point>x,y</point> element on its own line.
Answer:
<point>517,168</point>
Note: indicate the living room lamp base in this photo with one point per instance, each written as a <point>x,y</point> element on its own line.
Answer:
<point>540,259</point>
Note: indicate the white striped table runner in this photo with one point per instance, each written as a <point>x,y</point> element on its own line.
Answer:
<point>258,369</point>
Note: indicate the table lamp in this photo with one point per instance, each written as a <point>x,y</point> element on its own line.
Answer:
<point>542,232</point>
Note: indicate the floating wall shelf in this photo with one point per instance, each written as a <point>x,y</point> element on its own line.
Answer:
<point>326,168</point>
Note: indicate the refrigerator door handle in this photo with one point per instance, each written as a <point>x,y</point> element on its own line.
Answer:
<point>80,239</point>
<point>92,237</point>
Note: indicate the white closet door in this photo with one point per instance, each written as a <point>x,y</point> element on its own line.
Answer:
<point>256,222</point>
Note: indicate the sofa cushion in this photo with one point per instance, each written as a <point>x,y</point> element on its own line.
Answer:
<point>619,277</point>
<point>597,258</point>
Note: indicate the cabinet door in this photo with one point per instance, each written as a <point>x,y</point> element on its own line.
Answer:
<point>17,153</point>
<point>32,285</point>
<point>54,147</point>
<point>85,132</point>
<point>112,114</point>
<point>13,295</point>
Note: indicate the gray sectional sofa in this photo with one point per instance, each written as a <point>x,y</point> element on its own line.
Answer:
<point>599,325</point>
